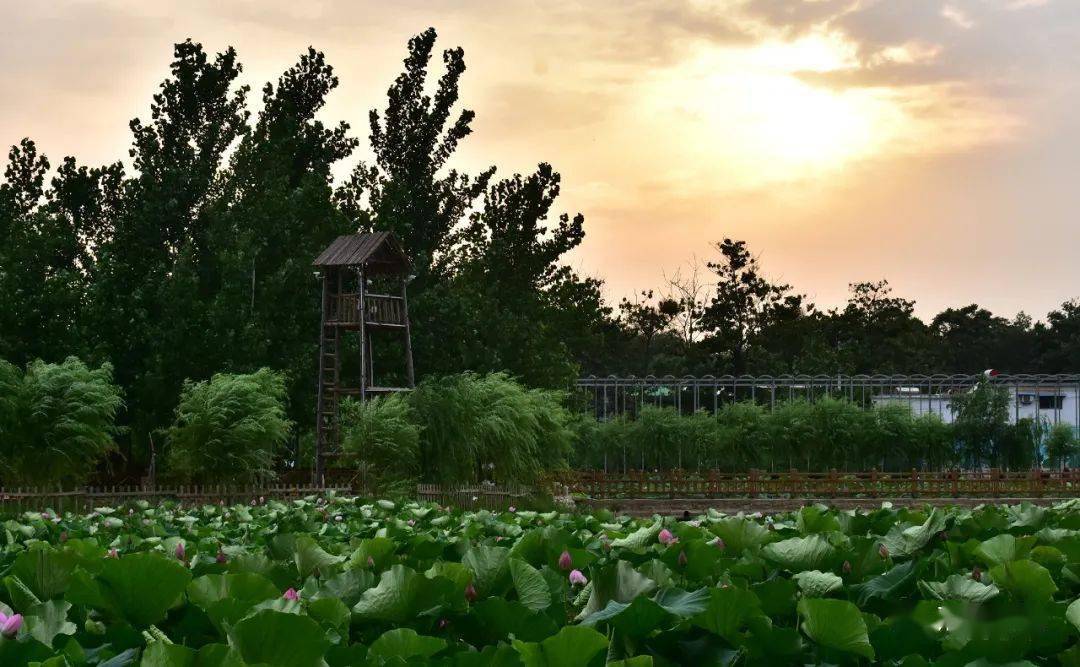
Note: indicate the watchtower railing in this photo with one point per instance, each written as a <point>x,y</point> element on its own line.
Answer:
<point>382,309</point>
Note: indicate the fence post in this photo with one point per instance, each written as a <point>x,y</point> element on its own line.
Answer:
<point>873,483</point>
<point>752,483</point>
<point>914,483</point>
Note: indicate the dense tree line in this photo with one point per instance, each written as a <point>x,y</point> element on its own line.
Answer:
<point>194,258</point>
<point>726,316</point>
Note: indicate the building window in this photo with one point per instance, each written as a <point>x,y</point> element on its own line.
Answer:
<point>1051,402</point>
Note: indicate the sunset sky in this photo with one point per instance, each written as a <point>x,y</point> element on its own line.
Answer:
<point>933,143</point>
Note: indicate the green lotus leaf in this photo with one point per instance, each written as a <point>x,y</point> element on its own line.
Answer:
<point>835,624</point>
<point>728,611</point>
<point>640,538</point>
<point>140,588</point>
<point>887,586</point>
<point>277,639</point>
<point>573,646</point>
<point>401,595</point>
<point>405,643</point>
<point>799,554</point>
<point>1025,579</point>
<point>958,587</point>
<point>817,584</point>
<point>740,533</point>
<point>532,588</point>
<point>490,567</point>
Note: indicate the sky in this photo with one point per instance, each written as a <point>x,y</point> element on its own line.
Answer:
<point>933,143</point>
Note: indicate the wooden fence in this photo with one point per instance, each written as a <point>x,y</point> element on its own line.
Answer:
<point>84,499</point>
<point>793,484</point>
<point>81,499</point>
<point>480,496</point>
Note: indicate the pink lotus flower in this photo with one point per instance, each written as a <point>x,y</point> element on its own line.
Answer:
<point>470,593</point>
<point>577,578</point>
<point>565,562</point>
<point>370,561</point>
<point>682,558</point>
<point>847,567</point>
<point>883,551</point>
<point>113,553</point>
<point>976,573</point>
<point>221,558</point>
<point>181,554</point>
<point>9,625</point>
<point>719,544</point>
<point>666,537</point>
<point>512,509</point>
<point>291,595</point>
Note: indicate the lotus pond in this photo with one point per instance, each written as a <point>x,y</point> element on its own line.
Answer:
<point>342,581</point>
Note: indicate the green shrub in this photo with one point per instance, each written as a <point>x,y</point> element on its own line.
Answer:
<point>57,421</point>
<point>1060,444</point>
<point>489,427</point>
<point>228,428</point>
<point>382,441</point>
<point>820,435</point>
<point>934,441</point>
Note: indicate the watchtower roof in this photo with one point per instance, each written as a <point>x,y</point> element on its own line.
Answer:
<point>379,251</point>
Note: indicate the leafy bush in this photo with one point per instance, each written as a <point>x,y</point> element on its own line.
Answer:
<point>489,427</point>
<point>382,439</point>
<point>827,433</point>
<point>1060,444</point>
<point>57,421</point>
<point>227,429</point>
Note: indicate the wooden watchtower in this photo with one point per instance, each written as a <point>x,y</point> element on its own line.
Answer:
<point>349,268</point>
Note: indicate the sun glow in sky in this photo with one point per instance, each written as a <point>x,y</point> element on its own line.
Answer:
<point>845,140</point>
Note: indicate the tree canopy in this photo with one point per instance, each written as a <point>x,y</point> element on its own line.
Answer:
<point>194,257</point>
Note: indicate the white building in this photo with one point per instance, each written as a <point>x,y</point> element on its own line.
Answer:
<point>1053,404</point>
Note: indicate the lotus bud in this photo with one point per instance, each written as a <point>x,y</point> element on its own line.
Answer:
<point>9,625</point>
<point>847,567</point>
<point>577,578</point>
<point>221,558</point>
<point>682,558</point>
<point>976,573</point>
<point>94,627</point>
<point>63,536</point>
<point>370,561</point>
<point>181,554</point>
<point>566,563</point>
<point>719,543</point>
<point>883,551</point>
<point>292,595</point>
<point>470,593</point>
<point>512,509</point>
<point>666,537</point>
<point>113,553</point>
<point>411,522</point>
